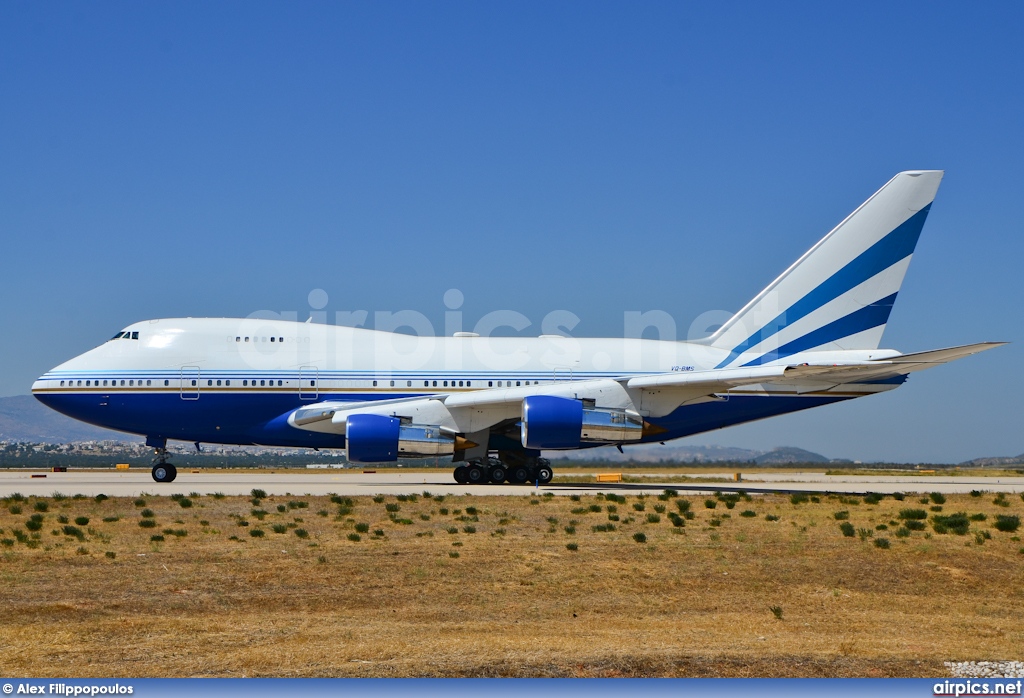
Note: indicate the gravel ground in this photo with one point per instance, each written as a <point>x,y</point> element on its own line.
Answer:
<point>978,670</point>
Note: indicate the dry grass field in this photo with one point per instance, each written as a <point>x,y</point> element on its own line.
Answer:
<point>506,586</point>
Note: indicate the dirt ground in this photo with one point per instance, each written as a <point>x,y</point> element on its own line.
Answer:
<point>490,586</point>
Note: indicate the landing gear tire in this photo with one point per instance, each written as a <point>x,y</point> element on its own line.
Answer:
<point>544,474</point>
<point>461,476</point>
<point>519,475</point>
<point>164,472</point>
<point>497,474</point>
<point>475,475</point>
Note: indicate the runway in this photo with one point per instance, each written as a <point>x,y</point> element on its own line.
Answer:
<point>354,483</point>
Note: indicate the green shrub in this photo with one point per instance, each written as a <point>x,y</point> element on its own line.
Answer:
<point>902,532</point>
<point>279,528</point>
<point>156,539</point>
<point>799,498</point>
<point>354,537</point>
<point>469,529</point>
<point>147,523</point>
<point>378,499</point>
<point>882,543</point>
<point>748,514</point>
<point>847,528</point>
<point>937,498</point>
<point>957,523</point>
<point>147,513</point>
<point>841,515</point>
<point>14,509</point>
<point>302,533</point>
<point>710,504</point>
<point>913,514</point>
<point>473,511</point>
<point>362,527</point>
<point>872,498</point>
<point>898,496</point>
<point>1007,524</point>
<point>639,537</point>
<point>914,525</point>
<point>298,504</point>
<point>571,530</point>
<point>110,554</point>
<point>258,494</point>
<point>603,528</point>
<point>82,520</point>
<point>771,517</point>
<point>976,493</point>
<point>978,517</point>
<point>73,531</point>
<point>653,518</point>
<point>452,529</point>
<point>185,503</point>
<point>865,533</point>
<point>40,505</point>
<point>34,525</point>
<point>62,519</point>
<point>111,519</point>
<point>257,532</point>
<point>392,507</point>
<point>776,611</point>
<point>258,514</point>
<point>572,546</point>
<point>683,505</point>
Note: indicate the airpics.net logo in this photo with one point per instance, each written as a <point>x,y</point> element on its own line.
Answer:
<point>408,340</point>
<point>977,688</point>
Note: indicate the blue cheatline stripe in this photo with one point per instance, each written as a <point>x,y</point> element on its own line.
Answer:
<point>864,319</point>
<point>880,256</point>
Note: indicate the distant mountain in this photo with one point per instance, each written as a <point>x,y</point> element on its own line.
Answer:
<point>23,418</point>
<point>685,453</point>
<point>789,454</point>
<point>994,462</point>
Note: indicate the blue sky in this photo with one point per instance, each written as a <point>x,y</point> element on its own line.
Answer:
<point>170,159</point>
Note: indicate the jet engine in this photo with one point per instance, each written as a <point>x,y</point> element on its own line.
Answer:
<point>372,438</point>
<point>561,423</point>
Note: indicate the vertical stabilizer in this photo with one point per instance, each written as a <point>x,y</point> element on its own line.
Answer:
<point>838,295</point>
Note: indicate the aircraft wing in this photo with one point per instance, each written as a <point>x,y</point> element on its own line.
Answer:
<point>654,394</point>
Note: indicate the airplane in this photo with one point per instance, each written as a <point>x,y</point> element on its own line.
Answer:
<point>493,405</point>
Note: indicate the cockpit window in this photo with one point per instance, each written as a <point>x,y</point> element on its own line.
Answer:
<point>117,336</point>
<point>125,335</point>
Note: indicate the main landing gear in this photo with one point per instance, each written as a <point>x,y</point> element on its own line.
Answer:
<point>494,471</point>
<point>162,470</point>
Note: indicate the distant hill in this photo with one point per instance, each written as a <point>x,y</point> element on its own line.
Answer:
<point>789,454</point>
<point>684,453</point>
<point>23,418</point>
<point>994,462</point>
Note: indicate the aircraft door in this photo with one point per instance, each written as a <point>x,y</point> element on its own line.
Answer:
<point>308,383</point>
<point>189,382</point>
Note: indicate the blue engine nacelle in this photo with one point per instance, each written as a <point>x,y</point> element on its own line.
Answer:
<point>374,438</point>
<point>560,423</point>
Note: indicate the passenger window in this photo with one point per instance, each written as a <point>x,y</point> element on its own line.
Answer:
<point>460,384</point>
<point>80,383</point>
<point>392,384</point>
<point>167,382</point>
<point>517,384</point>
<point>280,382</point>
<point>408,384</point>
<point>227,382</point>
<point>247,339</point>
<point>271,339</point>
<point>238,339</point>
<point>149,383</point>
<point>87,384</point>
<point>131,382</point>
<point>122,384</point>
<point>262,383</point>
<point>469,383</point>
<point>446,384</point>
<point>62,384</point>
<point>311,383</point>
<point>490,384</point>
<point>435,384</point>
<point>194,381</point>
<point>375,384</point>
<point>426,384</point>
<point>280,339</point>
<point>209,382</point>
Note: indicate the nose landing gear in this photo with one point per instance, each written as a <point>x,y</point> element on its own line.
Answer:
<point>162,470</point>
